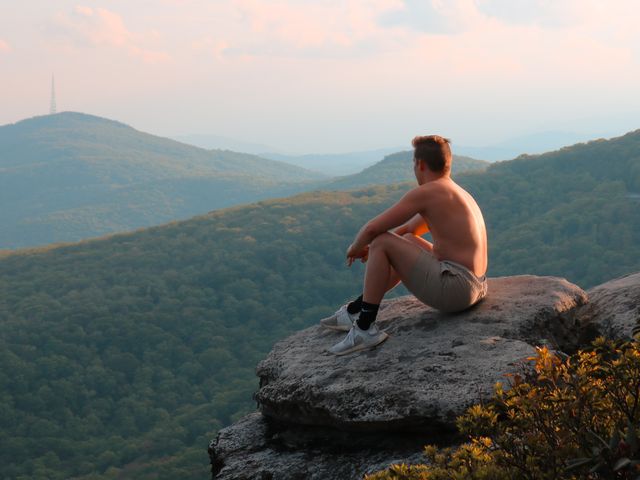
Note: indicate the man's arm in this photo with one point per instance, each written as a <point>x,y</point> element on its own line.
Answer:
<point>416,226</point>
<point>401,213</point>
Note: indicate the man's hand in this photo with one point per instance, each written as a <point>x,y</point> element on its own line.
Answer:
<point>353,254</point>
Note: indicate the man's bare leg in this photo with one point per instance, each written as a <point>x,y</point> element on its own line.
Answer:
<point>394,278</point>
<point>343,318</point>
<point>391,258</point>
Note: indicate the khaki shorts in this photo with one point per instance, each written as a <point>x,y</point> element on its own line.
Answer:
<point>445,285</point>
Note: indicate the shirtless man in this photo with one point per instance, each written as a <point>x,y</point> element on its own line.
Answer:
<point>447,275</point>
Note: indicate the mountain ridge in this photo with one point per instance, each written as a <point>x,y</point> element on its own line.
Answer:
<point>79,122</point>
<point>70,176</point>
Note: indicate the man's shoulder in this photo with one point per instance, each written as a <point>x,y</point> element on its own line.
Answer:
<point>432,188</point>
<point>420,191</point>
<point>435,192</point>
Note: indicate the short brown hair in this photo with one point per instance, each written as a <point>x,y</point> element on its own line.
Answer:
<point>434,150</point>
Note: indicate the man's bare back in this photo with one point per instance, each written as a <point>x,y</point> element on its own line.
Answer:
<point>456,224</point>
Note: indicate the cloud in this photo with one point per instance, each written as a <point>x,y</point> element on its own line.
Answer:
<point>433,16</point>
<point>218,48</point>
<point>522,37</point>
<point>99,27</point>
<point>576,40</point>
<point>594,15</point>
<point>610,22</point>
<point>545,13</point>
<point>330,28</point>
<point>4,46</point>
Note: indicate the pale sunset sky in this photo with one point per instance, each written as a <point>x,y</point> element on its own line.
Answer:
<point>328,75</point>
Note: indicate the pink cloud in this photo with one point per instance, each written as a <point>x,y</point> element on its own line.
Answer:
<point>4,46</point>
<point>292,24</point>
<point>99,27</point>
<point>286,28</point>
<point>572,41</point>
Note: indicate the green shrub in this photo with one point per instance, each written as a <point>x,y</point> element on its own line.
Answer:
<point>566,418</point>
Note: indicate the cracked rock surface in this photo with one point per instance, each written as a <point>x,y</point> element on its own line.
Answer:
<point>431,368</point>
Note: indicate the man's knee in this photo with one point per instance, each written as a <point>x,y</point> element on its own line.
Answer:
<point>381,240</point>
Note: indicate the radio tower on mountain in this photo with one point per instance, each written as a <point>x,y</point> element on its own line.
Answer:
<point>52,109</point>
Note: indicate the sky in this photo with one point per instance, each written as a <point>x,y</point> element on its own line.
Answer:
<point>328,75</point>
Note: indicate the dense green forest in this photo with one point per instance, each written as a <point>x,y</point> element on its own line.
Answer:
<point>140,346</point>
<point>122,356</point>
<point>70,176</point>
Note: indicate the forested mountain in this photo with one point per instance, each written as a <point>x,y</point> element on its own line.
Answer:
<point>70,176</point>
<point>121,356</point>
<point>397,168</point>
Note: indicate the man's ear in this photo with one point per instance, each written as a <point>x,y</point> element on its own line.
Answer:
<point>422,165</point>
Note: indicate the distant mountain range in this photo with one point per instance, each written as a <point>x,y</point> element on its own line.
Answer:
<point>73,176</point>
<point>335,164</point>
<point>331,164</point>
<point>352,162</point>
<point>70,176</point>
<point>535,143</point>
<point>123,355</point>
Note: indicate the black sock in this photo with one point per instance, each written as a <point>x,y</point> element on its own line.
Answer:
<point>367,315</point>
<point>355,306</point>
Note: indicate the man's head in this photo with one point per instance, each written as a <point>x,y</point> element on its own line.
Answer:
<point>434,151</point>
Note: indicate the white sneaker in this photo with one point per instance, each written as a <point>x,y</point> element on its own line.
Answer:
<point>341,320</point>
<point>358,339</point>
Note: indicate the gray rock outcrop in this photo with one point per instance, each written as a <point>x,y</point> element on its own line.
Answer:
<point>255,448</point>
<point>431,368</point>
<point>613,309</point>
<point>330,417</point>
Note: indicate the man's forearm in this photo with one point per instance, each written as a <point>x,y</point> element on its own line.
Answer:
<point>367,233</point>
<point>364,237</point>
<point>417,226</point>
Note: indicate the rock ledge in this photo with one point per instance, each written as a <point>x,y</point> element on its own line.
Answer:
<point>327,417</point>
<point>430,370</point>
